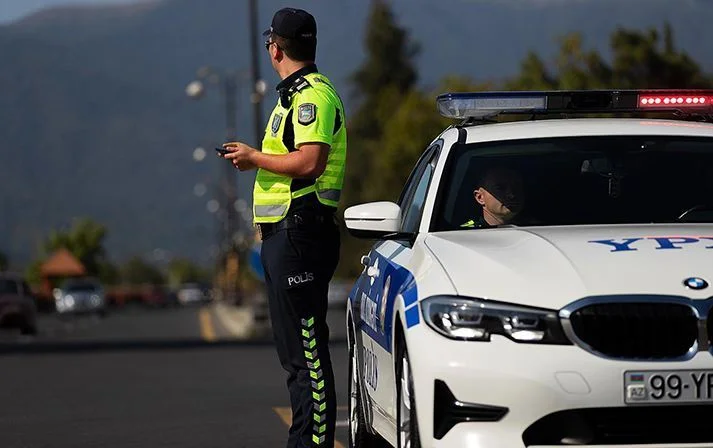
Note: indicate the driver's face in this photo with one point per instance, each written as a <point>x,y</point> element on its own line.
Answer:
<point>502,197</point>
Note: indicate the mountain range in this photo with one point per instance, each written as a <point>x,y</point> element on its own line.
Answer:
<point>94,120</point>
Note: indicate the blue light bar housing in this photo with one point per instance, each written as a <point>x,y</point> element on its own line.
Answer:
<point>477,105</point>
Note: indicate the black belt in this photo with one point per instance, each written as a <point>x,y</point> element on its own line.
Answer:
<point>295,221</point>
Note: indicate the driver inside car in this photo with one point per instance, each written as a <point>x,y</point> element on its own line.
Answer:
<point>499,196</point>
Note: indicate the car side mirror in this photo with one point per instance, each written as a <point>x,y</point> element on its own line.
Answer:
<point>373,220</point>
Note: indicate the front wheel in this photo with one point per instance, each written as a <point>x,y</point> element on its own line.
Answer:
<point>407,423</point>
<point>359,435</point>
<point>28,330</point>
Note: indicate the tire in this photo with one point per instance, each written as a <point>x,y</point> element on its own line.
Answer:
<point>359,435</point>
<point>407,428</point>
<point>28,330</point>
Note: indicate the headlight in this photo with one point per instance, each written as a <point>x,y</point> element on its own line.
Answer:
<point>469,319</point>
<point>68,301</point>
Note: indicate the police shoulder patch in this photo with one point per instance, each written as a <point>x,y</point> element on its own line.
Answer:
<point>306,113</point>
<point>276,121</point>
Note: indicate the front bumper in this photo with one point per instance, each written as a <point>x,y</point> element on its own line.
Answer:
<point>80,304</point>
<point>532,382</point>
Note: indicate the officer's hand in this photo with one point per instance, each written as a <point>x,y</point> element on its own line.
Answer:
<point>240,155</point>
<point>244,166</point>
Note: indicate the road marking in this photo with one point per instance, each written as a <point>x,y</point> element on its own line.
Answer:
<point>285,415</point>
<point>207,331</point>
<point>238,321</point>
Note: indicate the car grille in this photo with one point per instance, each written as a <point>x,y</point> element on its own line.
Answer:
<point>636,330</point>
<point>623,426</point>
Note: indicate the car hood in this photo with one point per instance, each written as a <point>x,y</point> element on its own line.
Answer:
<point>554,266</point>
<point>10,299</point>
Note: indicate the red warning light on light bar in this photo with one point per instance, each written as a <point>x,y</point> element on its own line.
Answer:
<point>674,101</point>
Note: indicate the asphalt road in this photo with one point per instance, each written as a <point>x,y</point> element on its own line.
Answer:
<point>147,378</point>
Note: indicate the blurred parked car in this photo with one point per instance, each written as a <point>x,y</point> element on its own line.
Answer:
<point>194,293</point>
<point>159,297</point>
<point>79,296</point>
<point>17,304</point>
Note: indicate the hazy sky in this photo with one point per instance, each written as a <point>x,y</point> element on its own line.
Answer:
<point>11,10</point>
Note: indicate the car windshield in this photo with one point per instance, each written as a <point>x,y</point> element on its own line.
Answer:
<point>581,180</point>
<point>80,286</point>
<point>8,286</point>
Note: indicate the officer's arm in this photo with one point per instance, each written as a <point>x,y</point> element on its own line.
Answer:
<point>309,161</point>
<point>313,121</point>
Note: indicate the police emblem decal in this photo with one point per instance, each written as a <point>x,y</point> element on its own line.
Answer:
<point>276,121</point>
<point>695,283</point>
<point>307,113</point>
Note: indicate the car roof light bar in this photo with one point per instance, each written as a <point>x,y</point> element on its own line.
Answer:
<point>489,104</point>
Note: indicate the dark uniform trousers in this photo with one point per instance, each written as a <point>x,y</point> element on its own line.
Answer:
<point>300,255</point>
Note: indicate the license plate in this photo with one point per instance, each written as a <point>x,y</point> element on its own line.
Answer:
<point>668,386</point>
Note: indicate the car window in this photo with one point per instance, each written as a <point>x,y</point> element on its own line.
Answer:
<point>413,209</point>
<point>582,180</point>
<point>416,172</point>
<point>8,286</point>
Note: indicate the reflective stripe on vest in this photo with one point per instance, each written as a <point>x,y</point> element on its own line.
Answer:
<point>272,193</point>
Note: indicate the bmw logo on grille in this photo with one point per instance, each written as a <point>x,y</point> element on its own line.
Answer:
<point>695,283</point>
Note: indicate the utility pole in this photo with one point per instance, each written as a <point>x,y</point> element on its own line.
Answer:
<point>259,85</point>
<point>230,196</point>
<point>226,213</point>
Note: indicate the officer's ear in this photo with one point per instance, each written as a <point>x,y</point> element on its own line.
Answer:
<point>276,51</point>
<point>479,196</point>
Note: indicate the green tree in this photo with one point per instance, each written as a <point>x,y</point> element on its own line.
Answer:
<point>138,271</point>
<point>181,270</point>
<point>643,60</point>
<point>384,78</point>
<point>109,273</point>
<point>533,75</point>
<point>388,65</point>
<point>640,60</point>
<point>412,127</point>
<point>85,240</point>
<point>380,84</point>
<point>33,274</point>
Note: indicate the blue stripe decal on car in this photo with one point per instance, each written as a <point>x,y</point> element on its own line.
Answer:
<point>412,317</point>
<point>410,297</point>
<point>373,314</point>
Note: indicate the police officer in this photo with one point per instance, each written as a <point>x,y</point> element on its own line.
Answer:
<point>297,189</point>
<point>500,197</point>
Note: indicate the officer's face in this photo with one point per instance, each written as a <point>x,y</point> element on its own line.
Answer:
<point>503,198</point>
<point>275,52</point>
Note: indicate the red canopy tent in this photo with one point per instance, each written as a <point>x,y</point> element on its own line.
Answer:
<point>60,265</point>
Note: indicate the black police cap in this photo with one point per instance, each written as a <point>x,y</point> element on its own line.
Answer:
<point>292,23</point>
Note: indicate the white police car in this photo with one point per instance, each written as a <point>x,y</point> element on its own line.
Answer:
<point>585,321</point>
